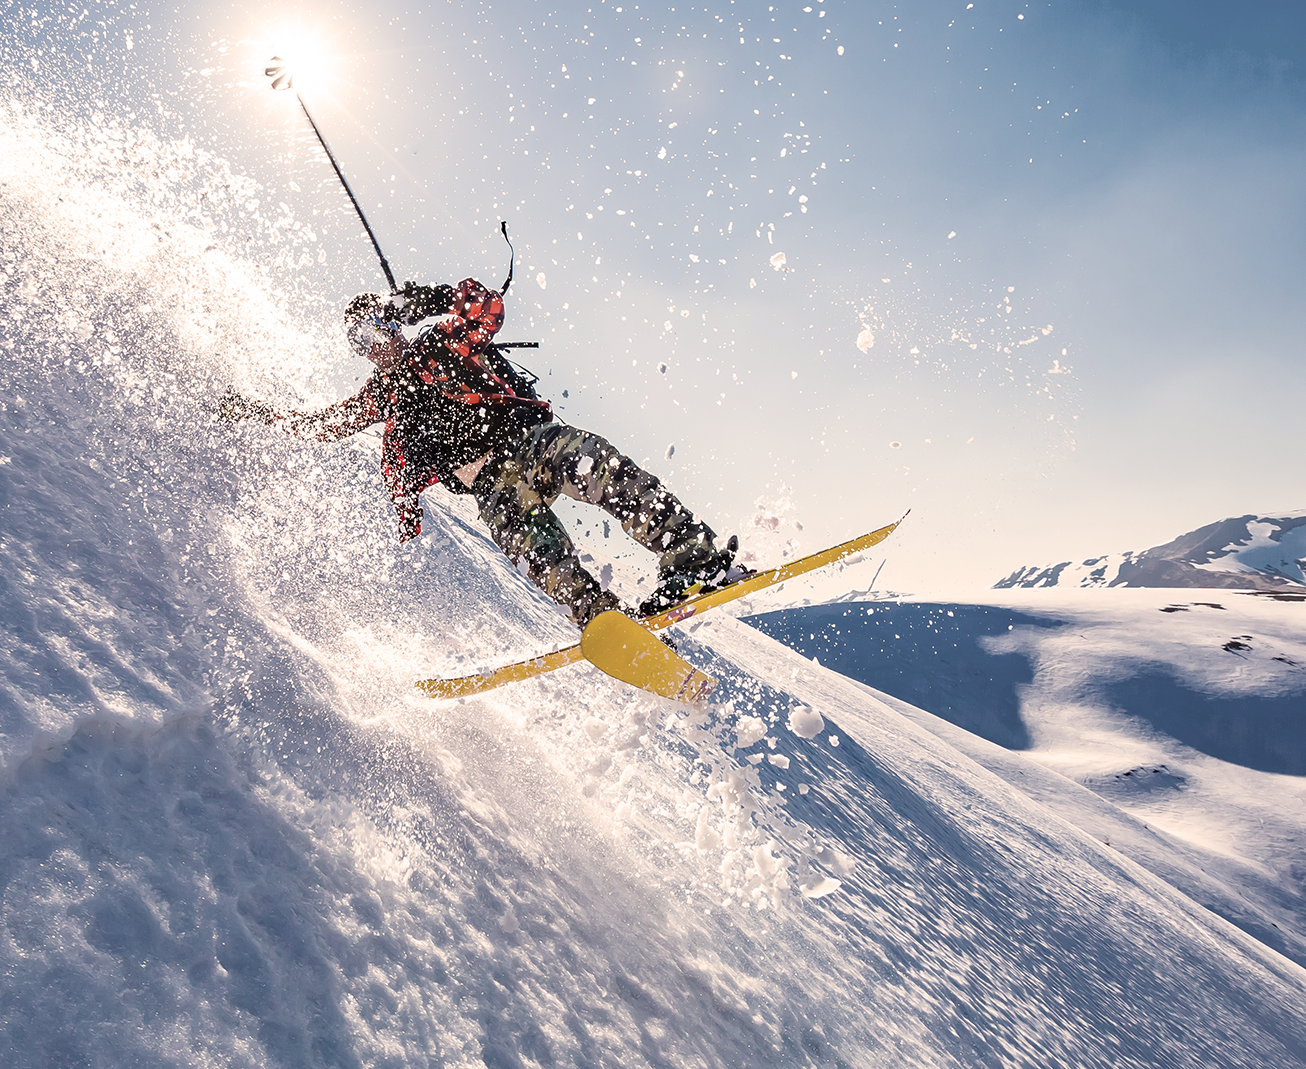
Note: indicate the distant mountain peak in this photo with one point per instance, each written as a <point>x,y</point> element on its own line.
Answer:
<point>1243,552</point>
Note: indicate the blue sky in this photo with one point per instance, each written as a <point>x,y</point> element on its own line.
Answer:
<point>1128,177</point>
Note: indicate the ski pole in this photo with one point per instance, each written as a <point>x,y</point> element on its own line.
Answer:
<point>283,78</point>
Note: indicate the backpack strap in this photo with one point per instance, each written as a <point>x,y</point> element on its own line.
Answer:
<point>470,398</point>
<point>503,393</point>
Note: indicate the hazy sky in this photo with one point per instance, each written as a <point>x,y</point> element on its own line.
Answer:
<point>947,179</point>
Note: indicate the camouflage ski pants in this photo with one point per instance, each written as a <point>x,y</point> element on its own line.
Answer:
<point>514,495</point>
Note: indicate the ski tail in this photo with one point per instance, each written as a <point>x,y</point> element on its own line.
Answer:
<point>465,686</point>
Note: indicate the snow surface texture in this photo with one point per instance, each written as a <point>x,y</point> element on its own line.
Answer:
<point>1185,722</point>
<point>236,836</point>
<point>1241,553</point>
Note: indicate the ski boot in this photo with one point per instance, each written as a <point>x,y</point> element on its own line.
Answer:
<point>602,601</point>
<point>710,569</point>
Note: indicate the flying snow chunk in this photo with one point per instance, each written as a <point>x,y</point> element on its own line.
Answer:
<point>765,863</point>
<point>866,340</point>
<point>819,887</point>
<point>951,234</point>
<point>835,861</point>
<point>749,730</point>
<point>705,838</point>
<point>662,152</point>
<point>671,450</point>
<point>805,722</point>
<point>841,50</point>
<point>752,283</point>
<point>541,281</point>
<point>778,261</point>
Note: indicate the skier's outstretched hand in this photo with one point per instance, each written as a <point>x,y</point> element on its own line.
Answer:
<point>233,406</point>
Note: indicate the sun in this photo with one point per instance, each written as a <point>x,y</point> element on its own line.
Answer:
<point>302,57</point>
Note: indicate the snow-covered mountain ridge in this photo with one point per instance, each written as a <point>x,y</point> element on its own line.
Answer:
<point>1243,552</point>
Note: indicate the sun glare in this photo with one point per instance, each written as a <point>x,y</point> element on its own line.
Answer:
<point>304,55</point>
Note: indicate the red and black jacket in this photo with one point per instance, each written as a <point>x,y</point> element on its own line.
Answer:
<point>452,400</point>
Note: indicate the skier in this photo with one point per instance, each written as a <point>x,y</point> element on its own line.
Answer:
<point>456,412</point>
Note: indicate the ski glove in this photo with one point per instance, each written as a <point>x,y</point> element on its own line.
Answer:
<point>422,302</point>
<point>233,406</point>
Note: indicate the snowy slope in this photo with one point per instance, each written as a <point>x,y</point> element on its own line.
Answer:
<point>235,836</point>
<point>1173,730</point>
<point>1241,553</point>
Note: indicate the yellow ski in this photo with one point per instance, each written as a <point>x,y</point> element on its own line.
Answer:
<point>616,644</point>
<point>549,662</point>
